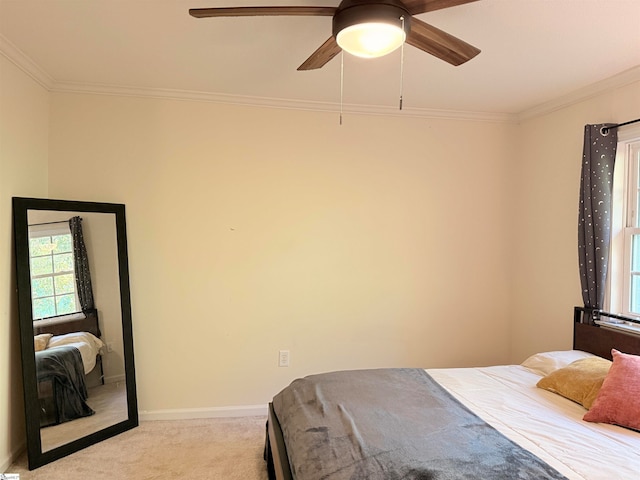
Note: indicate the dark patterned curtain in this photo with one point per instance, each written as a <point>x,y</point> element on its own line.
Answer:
<point>83,275</point>
<point>594,220</point>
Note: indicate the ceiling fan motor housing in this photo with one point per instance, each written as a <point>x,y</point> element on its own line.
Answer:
<point>353,12</point>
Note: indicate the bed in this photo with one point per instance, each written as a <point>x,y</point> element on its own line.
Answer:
<point>500,422</point>
<point>66,353</point>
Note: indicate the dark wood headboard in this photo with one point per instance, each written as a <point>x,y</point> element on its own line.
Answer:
<point>88,324</point>
<point>592,338</point>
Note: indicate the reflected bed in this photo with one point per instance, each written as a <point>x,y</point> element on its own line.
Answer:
<point>66,352</point>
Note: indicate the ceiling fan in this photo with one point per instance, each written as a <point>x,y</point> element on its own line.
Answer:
<point>393,21</point>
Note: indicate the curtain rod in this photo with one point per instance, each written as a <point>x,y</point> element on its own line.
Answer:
<point>47,223</point>
<point>605,130</point>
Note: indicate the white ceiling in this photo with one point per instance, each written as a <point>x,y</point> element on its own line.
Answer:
<point>533,51</point>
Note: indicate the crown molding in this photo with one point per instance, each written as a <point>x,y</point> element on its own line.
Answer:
<point>288,104</point>
<point>33,70</point>
<point>24,63</point>
<point>622,79</point>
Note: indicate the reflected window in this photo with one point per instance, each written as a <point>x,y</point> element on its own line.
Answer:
<point>53,285</point>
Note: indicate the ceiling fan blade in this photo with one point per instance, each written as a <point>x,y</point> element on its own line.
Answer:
<point>416,7</point>
<point>262,11</point>
<point>322,55</point>
<point>440,44</point>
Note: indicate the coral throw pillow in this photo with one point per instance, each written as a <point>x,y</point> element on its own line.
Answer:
<point>618,401</point>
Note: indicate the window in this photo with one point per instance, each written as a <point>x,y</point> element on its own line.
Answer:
<point>631,267</point>
<point>53,283</point>
<point>624,278</point>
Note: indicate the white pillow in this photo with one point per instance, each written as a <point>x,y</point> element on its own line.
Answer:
<point>75,337</point>
<point>546,362</point>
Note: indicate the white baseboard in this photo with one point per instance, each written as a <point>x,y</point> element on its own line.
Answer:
<point>115,379</point>
<point>5,463</point>
<point>210,412</point>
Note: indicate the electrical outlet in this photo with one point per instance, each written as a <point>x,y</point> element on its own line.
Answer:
<point>283,358</point>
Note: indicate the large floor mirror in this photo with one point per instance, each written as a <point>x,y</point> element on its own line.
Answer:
<point>75,324</point>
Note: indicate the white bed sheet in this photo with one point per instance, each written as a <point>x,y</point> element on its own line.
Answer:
<point>544,423</point>
<point>88,345</point>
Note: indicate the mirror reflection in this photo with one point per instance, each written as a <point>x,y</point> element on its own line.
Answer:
<point>77,324</point>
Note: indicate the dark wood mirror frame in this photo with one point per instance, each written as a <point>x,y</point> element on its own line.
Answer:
<point>21,206</point>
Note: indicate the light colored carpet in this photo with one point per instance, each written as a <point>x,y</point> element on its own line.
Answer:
<point>202,449</point>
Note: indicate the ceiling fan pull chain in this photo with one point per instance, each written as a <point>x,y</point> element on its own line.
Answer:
<point>401,64</point>
<point>341,83</point>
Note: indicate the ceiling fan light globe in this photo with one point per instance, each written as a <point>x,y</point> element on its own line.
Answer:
<point>371,40</point>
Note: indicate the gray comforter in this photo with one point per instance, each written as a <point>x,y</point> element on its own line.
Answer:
<point>393,424</point>
<point>63,367</point>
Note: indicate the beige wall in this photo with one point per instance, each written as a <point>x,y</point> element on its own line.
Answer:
<point>375,243</point>
<point>99,231</point>
<point>24,117</point>
<point>381,242</point>
<point>545,189</point>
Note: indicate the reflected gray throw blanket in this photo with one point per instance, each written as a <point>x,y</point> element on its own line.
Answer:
<point>393,424</point>
<point>63,367</point>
